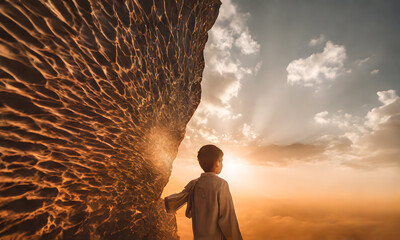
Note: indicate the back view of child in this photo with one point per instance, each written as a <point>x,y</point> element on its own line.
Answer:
<point>209,201</point>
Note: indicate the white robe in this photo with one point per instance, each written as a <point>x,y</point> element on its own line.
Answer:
<point>210,206</point>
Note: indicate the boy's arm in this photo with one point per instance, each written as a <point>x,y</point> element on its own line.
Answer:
<point>227,217</point>
<point>175,201</point>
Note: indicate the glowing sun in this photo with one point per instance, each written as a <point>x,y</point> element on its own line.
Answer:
<point>234,169</point>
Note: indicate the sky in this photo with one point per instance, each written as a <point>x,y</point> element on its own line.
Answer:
<point>303,98</point>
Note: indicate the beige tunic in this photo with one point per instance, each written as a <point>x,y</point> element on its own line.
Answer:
<point>211,207</point>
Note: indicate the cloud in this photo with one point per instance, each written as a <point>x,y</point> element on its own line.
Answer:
<point>222,88</point>
<point>283,154</point>
<point>384,124</point>
<point>339,119</point>
<point>375,71</point>
<point>246,43</point>
<point>321,117</point>
<point>222,79</point>
<point>248,132</point>
<point>379,117</point>
<point>317,41</point>
<point>371,141</point>
<point>208,110</point>
<point>221,38</point>
<point>364,142</point>
<point>361,62</point>
<point>387,97</point>
<point>227,10</point>
<point>319,67</point>
<point>222,82</point>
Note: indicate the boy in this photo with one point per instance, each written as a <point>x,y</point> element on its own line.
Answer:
<point>209,201</point>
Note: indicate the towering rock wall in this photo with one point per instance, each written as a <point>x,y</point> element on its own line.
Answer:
<point>95,96</point>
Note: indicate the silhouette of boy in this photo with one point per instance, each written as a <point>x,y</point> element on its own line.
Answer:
<point>209,201</point>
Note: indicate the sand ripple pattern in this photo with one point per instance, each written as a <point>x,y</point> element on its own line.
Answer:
<point>95,96</point>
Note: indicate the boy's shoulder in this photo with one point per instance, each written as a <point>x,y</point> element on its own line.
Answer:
<point>191,184</point>
<point>222,182</point>
<point>219,179</point>
<point>215,178</point>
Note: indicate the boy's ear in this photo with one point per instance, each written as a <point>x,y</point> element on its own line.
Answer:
<point>216,164</point>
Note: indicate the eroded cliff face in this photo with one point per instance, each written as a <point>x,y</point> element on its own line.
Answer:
<point>95,96</point>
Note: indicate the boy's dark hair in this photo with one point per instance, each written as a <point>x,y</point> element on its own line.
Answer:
<point>208,155</point>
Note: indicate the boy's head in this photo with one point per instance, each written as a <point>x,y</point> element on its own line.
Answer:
<point>210,158</point>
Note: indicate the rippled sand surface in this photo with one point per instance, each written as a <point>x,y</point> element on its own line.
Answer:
<point>94,101</point>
